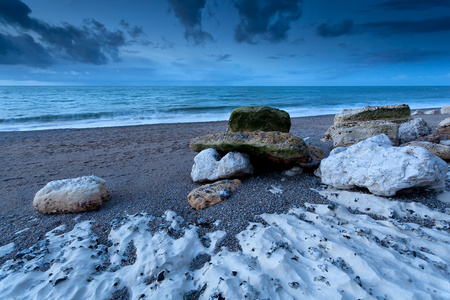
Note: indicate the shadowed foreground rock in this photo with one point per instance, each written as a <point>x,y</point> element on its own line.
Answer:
<point>71,195</point>
<point>277,147</point>
<point>211,194</point>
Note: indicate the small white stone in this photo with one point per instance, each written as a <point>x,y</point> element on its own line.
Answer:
<point>208,166</point>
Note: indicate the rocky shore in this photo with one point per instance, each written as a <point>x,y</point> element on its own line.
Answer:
<point>148,168</point>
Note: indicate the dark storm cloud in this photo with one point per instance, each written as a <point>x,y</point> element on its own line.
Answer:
<point>266,19</point>
<point>190,15</point>
<point>407,27</point>
<point>341,28</point>
<point>397,56</point>
<point>385,28</point>
<point>412,4</point>
<point>22,49</point>
<point>90,43</point>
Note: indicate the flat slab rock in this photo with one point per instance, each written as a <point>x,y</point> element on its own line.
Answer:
<point>381,168</point>
<point>71,195</point>
<point>371,113</point>
<point>212,194</point>
<point>278,147</point>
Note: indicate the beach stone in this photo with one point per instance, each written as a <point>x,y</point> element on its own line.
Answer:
<point>255,118</point>
<point>277,147</point>
<point>445,110</point>
<point>317,153</point>
<point>346,134</point>
<point>210,166</point>
<point>213,193</point>
<point>444,126</point>
<point>432,112</point>
<point>381,168</point>
<point>432,138</point>
<point>71,195</point>
<point>293,172</point>
<point>440,150</point>
<point>417,112</point>
<point>372,113</point>
<point>410,131</point>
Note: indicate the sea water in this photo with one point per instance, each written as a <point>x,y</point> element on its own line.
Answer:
<point>37,108</point>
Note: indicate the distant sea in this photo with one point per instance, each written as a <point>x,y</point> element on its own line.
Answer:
<point>37,108</point>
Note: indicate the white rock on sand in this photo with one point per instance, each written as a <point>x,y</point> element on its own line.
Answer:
<point>209,166</point>
<point>383,169</point>
<point>409,131</point>
<point>317,252</point>
<point>71,195</point>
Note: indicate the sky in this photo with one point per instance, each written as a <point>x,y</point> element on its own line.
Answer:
<point>225,42</point>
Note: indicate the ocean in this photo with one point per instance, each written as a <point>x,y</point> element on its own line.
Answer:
<point>38,108</point>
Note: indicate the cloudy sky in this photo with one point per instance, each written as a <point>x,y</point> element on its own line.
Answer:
<point>225,42</point>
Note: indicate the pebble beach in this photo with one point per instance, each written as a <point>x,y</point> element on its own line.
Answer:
<point>147,170</point>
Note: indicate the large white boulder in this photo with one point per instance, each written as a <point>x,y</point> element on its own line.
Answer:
<point>381,168</point>
<point>209,166</point>
<point>71,195</point>
<point>410,131</point>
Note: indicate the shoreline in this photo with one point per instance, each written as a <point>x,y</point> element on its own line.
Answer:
<point>170,123</point>
<point>147,170</point>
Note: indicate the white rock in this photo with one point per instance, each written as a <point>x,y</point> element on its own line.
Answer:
<point>417,112</point>
<point>410,131</point>
<point>444,126</point>
<point>433,112</point>
<point>209,167</point>
<point>382,168</point>
<point>445,109</point>
<point>71,195</point>
<point>346,134</point>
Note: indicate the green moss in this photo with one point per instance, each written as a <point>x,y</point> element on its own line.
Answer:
<point>254,118</point>
<point>273,145</point>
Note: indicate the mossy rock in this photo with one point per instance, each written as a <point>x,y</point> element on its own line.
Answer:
<point>277,147</point>
<point>401,112</point>
<point>255,118</point>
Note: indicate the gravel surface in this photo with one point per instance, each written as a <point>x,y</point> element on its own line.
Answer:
<point>147,169</point>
